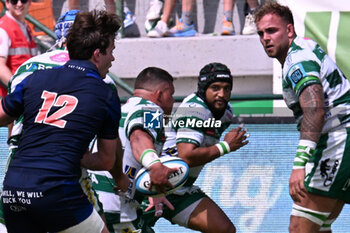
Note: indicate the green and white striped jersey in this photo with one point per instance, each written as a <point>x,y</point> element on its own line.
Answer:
<point>134,113</point>
<point>193,122</point>
<point>306,64</point>
<point>124,206</point>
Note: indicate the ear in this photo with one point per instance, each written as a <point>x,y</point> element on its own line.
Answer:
<point>7,4</point>
<point>95,58</point>
<point>290,30</point>
<point>158,95</point>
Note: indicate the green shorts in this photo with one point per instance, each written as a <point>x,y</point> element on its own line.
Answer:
<point>328,171</point>
<point>180,202</point>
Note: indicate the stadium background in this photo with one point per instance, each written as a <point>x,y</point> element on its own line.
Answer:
<point>251,184</point>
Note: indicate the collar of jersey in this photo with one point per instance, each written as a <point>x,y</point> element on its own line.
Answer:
<point>89,66</point>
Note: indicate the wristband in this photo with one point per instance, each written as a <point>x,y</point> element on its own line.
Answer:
<point>148,158</point>
<point>305,150</point>
<point>223,147</point>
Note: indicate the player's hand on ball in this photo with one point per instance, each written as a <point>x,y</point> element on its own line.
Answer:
<point>158,203</point>
<point>236,138</point>
<point>159,177</point>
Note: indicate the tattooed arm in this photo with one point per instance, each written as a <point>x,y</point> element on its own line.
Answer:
<point>312,103</point>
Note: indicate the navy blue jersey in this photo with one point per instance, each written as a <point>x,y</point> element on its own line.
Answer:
<point>63,109</point>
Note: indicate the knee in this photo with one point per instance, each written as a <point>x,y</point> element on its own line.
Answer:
<point>292,228</point>
<point>293,225</point>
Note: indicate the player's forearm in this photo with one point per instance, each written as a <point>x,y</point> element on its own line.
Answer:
<point>312,103</point>
<point>117,169</point>
<point>4,118</point>
<point>94,162</point>
<point>140,141</point>
<point>196,156</point>
<point>104,158</point>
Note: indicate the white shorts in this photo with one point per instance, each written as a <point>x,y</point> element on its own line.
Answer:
<point>93,224</point>
<point>327,172</point>
<point>3,228</point>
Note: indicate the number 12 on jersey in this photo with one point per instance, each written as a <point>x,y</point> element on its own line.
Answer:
<point>65,103</point>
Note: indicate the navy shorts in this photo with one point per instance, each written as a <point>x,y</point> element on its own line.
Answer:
<point>37,210</point>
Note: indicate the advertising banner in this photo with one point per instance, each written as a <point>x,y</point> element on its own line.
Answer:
<point>251,185</point>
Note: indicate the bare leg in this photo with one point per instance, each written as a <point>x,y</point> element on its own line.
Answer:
<point>229,5</point>
<point>209,218</point>
<point>335,213</point>
<point>316,203</point>
<point>167,10</point>
<point>227,25</point>
<point>187,8</point>
<point>187,5</point>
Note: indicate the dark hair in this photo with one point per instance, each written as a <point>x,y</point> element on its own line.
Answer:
<point>150,77</point>
<point>274,8</point>
<point>210,73</point>
<point>90,31</point>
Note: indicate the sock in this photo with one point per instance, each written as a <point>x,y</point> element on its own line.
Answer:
<point>228,15</point>
<point>186,17</point>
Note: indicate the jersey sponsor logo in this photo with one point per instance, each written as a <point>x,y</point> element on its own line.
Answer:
<point>37,66</point>
<point>296,74</point>
<point>129,230</point>
<point>61,57</point>
<point>130,171</point>
<point>66,104</point>
<point>171,151</point>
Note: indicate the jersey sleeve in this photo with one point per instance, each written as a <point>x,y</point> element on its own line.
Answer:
<point>111,124</point>
<point>13,103</point>
<point>187,118</point>
<point>302,75</point>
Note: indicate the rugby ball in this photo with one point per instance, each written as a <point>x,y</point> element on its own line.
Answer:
<point>177,179</point>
